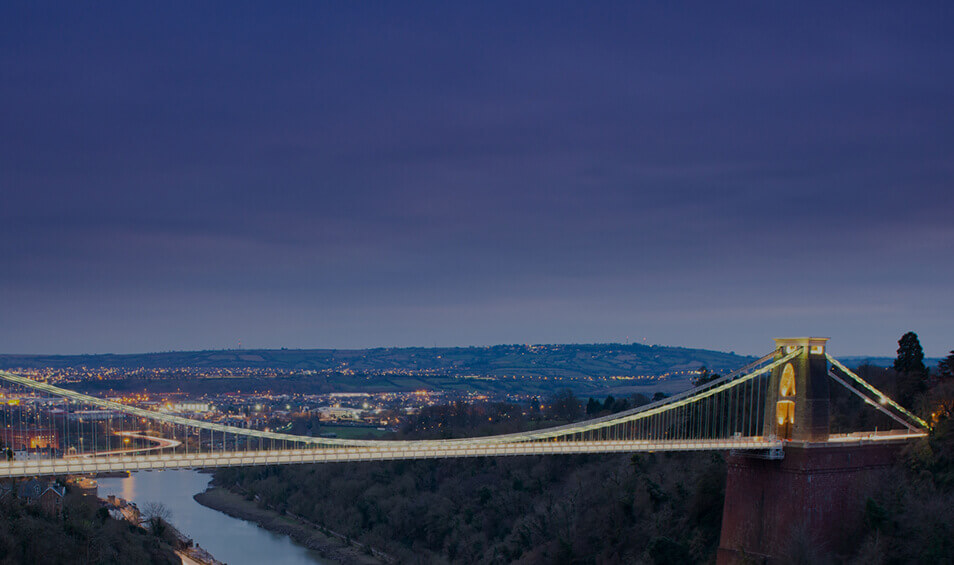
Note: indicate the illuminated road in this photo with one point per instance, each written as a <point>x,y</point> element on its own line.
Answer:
<point>160,443</point>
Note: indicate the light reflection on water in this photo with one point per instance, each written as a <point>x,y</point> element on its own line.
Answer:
<point>231,540</point>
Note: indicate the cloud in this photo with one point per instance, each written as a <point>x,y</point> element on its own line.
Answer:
<point>369,176</point>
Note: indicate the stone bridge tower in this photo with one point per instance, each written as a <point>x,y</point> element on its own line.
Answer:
<point>817,489</point>
<point>797,405</point>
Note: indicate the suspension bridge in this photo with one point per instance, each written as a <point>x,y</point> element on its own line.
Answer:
<point>779,400</point>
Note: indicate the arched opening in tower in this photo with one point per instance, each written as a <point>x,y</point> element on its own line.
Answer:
<point>785,408</point>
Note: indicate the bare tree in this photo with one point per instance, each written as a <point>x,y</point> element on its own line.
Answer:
<point>157,515</point>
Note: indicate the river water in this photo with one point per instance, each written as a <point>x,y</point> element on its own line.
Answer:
<point>231,540</point>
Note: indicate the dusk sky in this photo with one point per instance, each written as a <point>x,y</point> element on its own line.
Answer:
<point>354,174</point>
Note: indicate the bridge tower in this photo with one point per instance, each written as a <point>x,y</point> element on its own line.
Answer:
<point>797,406</point>
<point>817,489</point>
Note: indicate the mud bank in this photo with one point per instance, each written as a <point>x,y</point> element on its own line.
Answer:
<point>329,547</point>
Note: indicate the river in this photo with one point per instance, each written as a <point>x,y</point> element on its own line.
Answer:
<point>231,540</point>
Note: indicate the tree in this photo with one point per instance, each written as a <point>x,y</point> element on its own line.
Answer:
<point>705,376</point>
<point>945,369</point>
<point>534,408</point>
<point>912,374</point>
<point>910,355</point>
<point>565,406</point>
<point>593,407</point>
<point>157,515</point>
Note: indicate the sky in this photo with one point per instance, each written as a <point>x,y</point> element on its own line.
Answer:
<point>359,174</point>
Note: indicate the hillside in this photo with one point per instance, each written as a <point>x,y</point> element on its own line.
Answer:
<point>887,362</point>
<point>588,360</point>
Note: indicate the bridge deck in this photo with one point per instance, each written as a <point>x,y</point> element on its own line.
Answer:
<point>382,452</point>
<point>89,465</point>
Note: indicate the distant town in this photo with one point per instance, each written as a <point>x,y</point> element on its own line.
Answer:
<point>348,414</point>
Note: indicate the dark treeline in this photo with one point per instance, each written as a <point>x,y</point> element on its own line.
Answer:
<point>83,534</point>
<point>463,419</point>
<point>569,509</point>
<point>909,515</point>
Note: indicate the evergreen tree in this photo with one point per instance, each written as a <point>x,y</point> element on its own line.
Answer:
<point>912,374</point>
<point>593,407</point>
<point>945,369</point>
<point>910,355</point>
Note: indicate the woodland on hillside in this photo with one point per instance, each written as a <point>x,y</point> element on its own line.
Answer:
<point>84,533</point>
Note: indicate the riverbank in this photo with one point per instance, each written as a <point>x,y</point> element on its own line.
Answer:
<point>230,539</point>
<point>329,547</point>
<point>187,550</point>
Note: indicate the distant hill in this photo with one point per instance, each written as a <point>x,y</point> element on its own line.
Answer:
<point>573,361</point>
<point>857,360</point>
<point>587,369</point>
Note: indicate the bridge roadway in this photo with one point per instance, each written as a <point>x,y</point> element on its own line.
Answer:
<point>159,444</point>
<point>405,450</point>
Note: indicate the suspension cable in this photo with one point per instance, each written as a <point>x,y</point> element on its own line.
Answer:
<point>881,396</point>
